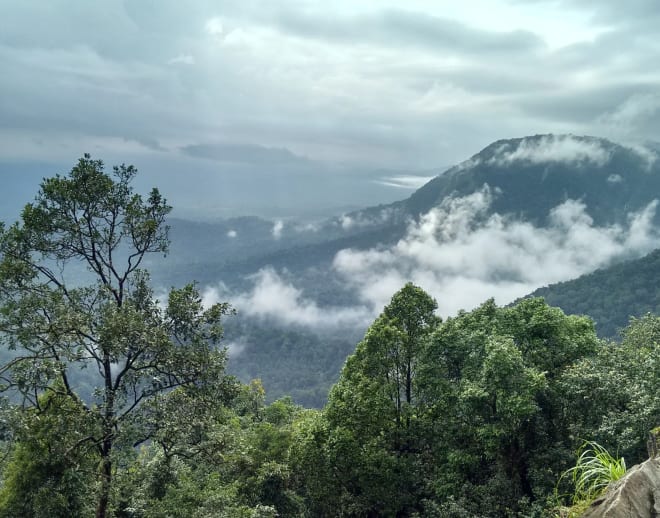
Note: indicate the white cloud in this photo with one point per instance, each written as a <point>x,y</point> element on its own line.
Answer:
<point>551,148</point>
<point>647,155</point>
<point>405,181</point>
<point>232,233</point>
<point>632,114</point>
<point>614,178</point>
<point>215,294</point>
<point>214,27</point>
<point>277,229</point>
<point>272,297</point>
<point>463,257</point>
<point>346,222</point>
<point>308,227</point>
<point>236,347</point>
<point>368,218</point>
<point>466,165</point>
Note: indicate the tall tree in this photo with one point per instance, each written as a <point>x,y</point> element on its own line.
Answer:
<point>73,296</point>
<point>373,411</point>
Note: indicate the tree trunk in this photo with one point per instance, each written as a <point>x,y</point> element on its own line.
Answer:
<point>106,480</point>
<point>108,440</point>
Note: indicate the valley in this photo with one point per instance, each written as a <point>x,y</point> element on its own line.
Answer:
<point>517,216</point>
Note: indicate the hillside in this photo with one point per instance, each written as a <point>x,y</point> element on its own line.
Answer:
<point>610,295</point>
<point>526,177</point>
<point>535,174</point>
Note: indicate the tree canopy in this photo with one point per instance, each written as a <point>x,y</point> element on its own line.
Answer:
<point>73,296</point>
<point>121,405</point>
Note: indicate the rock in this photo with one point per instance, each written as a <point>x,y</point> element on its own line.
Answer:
<point>652,443</point>
<point>635,495</point>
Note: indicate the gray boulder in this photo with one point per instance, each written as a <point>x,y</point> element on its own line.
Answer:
<point>635,495</point>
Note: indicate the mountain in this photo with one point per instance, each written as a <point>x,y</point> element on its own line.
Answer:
<point>610,295</point>
<point>526,178</point>
<point>534,174</point>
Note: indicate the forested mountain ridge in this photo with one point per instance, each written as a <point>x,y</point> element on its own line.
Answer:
<point>610,295</point>
<point>535,174</point>
<point>526,178</point>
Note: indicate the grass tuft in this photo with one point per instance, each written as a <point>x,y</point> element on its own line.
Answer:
<point>594,470</point>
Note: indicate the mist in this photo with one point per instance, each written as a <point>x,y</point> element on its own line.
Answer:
<point>462,257</point>
<point>460,253</point>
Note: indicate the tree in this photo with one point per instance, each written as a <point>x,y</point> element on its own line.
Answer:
<point>615,392</point>
<point>493,379</point>
<point>242,469</point>
<point>373,411</point>
<point>73,296</point>
<point>385,362</point>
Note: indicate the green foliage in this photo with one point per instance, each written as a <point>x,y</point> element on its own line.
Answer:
<point>135,348</point>
<point>480,429</point>
<point>38,485</point>
<point>292,361</point>
<point>621,381</point>
<point>372,448</point>
<point>241,469</point>
<point>594,470</point>
<point>485,426</point>
<point>160,488</point>
<point>493,377</point>
<point>51,466</point>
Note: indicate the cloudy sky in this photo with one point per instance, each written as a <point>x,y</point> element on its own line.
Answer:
<point>234,106</point>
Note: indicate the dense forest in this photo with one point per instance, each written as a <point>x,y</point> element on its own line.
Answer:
<point>610,295</point>
<point>527,183</point>
<point>478,415</point>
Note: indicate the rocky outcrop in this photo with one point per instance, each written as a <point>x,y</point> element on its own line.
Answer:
<point>635,495</point>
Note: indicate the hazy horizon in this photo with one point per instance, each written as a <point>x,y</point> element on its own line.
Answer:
<point>279,108</point>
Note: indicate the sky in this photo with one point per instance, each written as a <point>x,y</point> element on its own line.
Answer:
<point>273,107</point>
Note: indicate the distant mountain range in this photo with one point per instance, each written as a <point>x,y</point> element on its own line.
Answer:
<point>526,178</point>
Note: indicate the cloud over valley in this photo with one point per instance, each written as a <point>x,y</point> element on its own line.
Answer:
<point>275,298</point>
<point>460,252</point>
<point>463,256</point>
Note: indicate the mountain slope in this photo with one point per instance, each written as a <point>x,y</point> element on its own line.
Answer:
<point>529,176</point>
<point>611,295</point>
<point>535,174</point>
